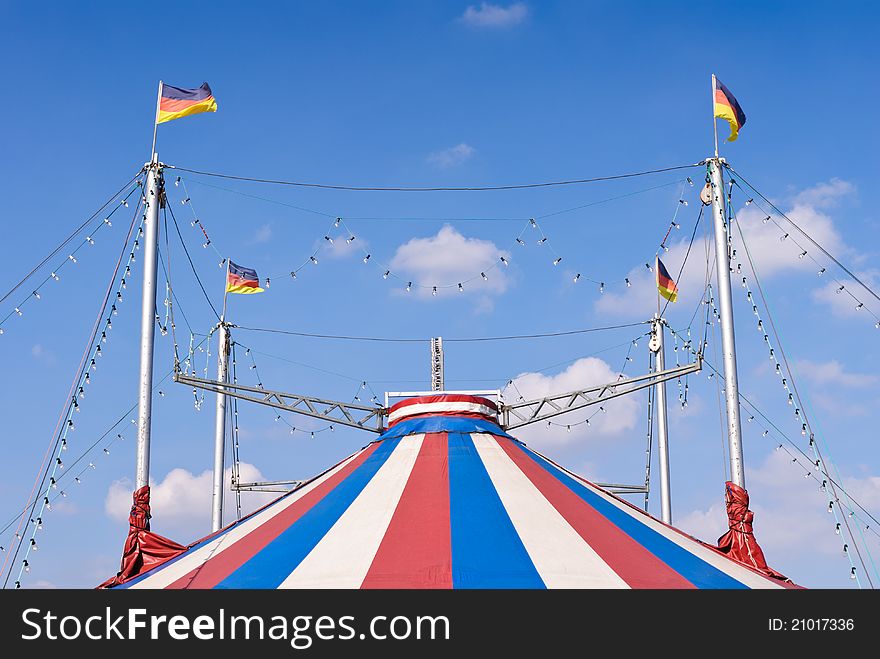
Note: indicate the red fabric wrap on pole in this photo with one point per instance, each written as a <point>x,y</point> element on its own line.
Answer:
<point>143,549</point>
<point>739,542</point>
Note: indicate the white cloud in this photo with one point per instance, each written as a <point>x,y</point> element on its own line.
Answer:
<point>452,156</point>
<point>823,195</point>
<point>448,258</point>
<point>262,235</point>
<point>619,416</point>
<point>833,373</point>
<point>181,502</point>
<point>791,524</point>
<point>495,16</point>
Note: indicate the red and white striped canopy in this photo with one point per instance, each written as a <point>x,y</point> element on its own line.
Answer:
<point>446,499</point>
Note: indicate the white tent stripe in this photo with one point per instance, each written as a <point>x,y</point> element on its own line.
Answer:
<point>560,554</point>
<point>343,556</point>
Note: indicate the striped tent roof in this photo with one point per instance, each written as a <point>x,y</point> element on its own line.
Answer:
<point>446,499</point>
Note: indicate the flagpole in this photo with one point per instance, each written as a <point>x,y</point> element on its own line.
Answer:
<point>156,121</point>
<point>223,342</point>
<point>714,119</point>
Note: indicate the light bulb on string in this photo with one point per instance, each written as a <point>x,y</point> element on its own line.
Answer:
<point>27,567</point>
<point>53,483</point>
<point>293,274</point>
<point>63,444</point>
<point>783,237</point>
<point>59,463</point>
<point>460,288</point>
<point>602,287</point>
<point>313,260</point>
<point>367,258</point>
<point>557,261</point>
<point>483,275</point>
<point>503,260</point>
<point>108,222</point>
<point>576,277</point>
<point>434,291</point>
<point>628,284</point>
<point>766,219</point>
<point>408,286</point>
<point>336,223</point>
<point>328,239</point>
<point>852,573</point>
<point>350,240</point>
<point>18,311</point>
<point>542,240</point>
<point>385,274</point>
<point>533,223</point>
<point>90,240</point>
<point>519,241</point>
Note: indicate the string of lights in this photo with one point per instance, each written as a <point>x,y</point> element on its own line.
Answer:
<point>72,235</point>
<point>338,230</point>
<point>69,261</point>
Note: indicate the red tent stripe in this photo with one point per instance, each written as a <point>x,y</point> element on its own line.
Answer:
<point>212,572</point>
<point>416,551</point>
<point>630,560</point>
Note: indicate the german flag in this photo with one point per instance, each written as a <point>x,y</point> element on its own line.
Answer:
<point>665,285</point>
<point>727,108</point>
<point>175,102</point>
<point>242,280</point>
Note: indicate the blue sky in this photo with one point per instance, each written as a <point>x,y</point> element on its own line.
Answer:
<point>442,94</point>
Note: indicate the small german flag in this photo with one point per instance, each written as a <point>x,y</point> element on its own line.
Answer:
<point>665,285</point>
<point>242,280</point>
<point>175,102</point>
<point>727,108</point>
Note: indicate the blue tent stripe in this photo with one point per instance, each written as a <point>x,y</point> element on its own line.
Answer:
<point>270,567</point>
<point>691,567</point>
<point>486,549</point>
<point>426,424</point>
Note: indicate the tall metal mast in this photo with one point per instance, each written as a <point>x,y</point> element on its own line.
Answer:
<point>725,308</point>
<point>154,192</point>
<point>656,346</point>
<point>220,427</point>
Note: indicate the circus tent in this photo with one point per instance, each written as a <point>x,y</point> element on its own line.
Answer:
<point>447,499</point>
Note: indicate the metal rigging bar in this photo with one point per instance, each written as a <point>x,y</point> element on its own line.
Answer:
<point>334,411</point>
<point>516,415</point>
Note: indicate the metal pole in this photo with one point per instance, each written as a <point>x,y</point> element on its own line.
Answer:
<point>656,346</point>
<point>148,321</point>
<point>725,308</point>
<point>220,429</point>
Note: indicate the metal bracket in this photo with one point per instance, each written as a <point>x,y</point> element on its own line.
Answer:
<point>334,411</point>
<point>522,413</point>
